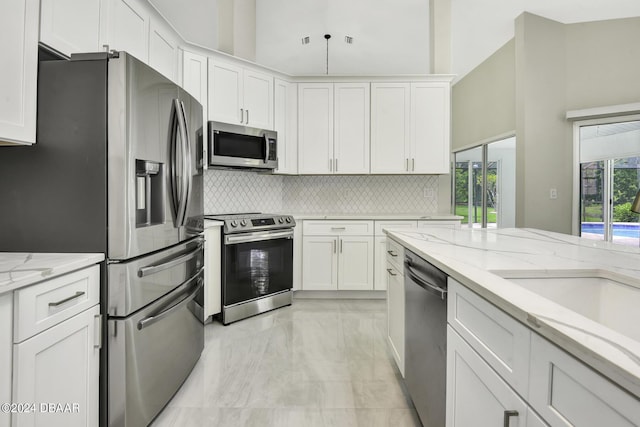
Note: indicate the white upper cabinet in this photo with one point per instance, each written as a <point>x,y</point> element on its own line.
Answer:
<point>19,71</point>
<point>240,96</point>
<point>351,128</point>
<point>315,128</point>
<point>194,81</point>
<point>70,26</point>
<point>285,123</point>
<point>390,131</point>
<point>163,48</point>
<point>127,23</point>
<point>410,127</point>
<point>430,127</point>
<point>333,128</point>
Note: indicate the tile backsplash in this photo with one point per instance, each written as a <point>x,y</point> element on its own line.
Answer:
<point>241,191</point>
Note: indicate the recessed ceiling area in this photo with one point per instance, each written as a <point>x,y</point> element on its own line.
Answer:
<point>388,37</point>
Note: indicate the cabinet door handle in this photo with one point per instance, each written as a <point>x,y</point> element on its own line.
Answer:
<point>340,245</point>
<point>336,168</point>
<point>98,342</point>
<point>390,271</point>
<point>393,254</point>
<point>241,115</point>
<point>508,415</point>
<point>334,246</point>
<point>247,122</point>
<point>62,301</point>
<point>413,165</point>
<point>406,166</point>
<point>330,165</point>
<point>338,228</point>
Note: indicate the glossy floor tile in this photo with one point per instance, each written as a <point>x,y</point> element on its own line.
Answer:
<point>316,363</point>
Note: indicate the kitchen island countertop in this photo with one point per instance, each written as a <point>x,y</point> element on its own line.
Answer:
<point>473,256</point>
<point>18,269</point>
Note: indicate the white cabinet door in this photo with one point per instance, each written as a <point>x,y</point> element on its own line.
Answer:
<point>380,275</point>
<point>225,92</point>
<point>430,127</point>
<point>395,313</point>
<point>163,49</point>
<point>315,128</point>
<point>128,22</point>
<point>60,365</point>
<point>390,131</point>
<point>18,84</point>
<point>194,81</point>
<point>355,263</point>
<point>257,90</point>
<point>212,271</point>
<point>320,263</point>
<point>6,353</point>
<point>476,395</point>
<point>286,125</point>
<point>566,392</point>
<point>70,26</point>
<point>351,128</point>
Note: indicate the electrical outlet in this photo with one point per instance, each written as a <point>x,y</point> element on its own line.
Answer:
<point>428,193</point>
<point>553,193</point>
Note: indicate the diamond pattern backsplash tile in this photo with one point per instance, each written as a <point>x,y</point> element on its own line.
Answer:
<point>229,191</point>
<point>361,194</point>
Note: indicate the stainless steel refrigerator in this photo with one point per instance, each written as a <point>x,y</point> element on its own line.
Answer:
<point>117,168</point>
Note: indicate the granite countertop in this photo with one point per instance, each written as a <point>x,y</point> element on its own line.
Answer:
<point>377,216</point>
<point>473,256</point>
<point>18,270</point>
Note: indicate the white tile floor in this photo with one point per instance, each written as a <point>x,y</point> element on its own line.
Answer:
<point>316,363</point>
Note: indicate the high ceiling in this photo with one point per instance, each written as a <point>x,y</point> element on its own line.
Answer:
<point>389,37</point>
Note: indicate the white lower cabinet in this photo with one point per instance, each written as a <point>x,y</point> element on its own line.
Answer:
<point>6,353</point>
<point>57,370</point>
<point>380,276</point>
<point>568,393</point>
<point>213,270</point>
<point>337,255</point>
<point>395,313</point>
<point>476,395</point>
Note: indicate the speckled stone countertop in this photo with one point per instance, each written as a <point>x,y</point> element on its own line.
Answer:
<point>18,270</point>
<point>474,256</point>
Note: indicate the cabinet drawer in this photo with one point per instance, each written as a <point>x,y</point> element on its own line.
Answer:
<point>500,340</point>
<point>48,303</point>
<point>395,255</point>
<point>442,224</point>
<point>381,225</point>
<point>565,392</point>
<point>337,228</point>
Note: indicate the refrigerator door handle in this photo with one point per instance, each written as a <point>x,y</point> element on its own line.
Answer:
<point>178,195</point>
<point>186,162</point>
<point>150,320</point>
<point>152,269</point>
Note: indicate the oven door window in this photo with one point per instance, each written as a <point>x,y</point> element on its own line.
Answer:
<point>243,146</point>
<point>255,269</point>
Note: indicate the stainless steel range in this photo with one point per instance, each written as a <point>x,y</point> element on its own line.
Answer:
<point>257,263</point>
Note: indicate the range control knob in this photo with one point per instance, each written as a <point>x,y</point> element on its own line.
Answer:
<point>288,220</point>
<point>243,223</point>
<point>234,223</point>
<point>281,220</point>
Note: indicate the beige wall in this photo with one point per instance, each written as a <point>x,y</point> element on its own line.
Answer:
<point>603,63</point>
<point>483,102</point>
<point>237,28</point>
<point>529,84</point>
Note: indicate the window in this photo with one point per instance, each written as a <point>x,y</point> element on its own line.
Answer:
<point>484,184</point>
<point>609,177</point>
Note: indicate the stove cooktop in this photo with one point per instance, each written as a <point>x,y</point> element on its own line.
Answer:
<point>252,221</point>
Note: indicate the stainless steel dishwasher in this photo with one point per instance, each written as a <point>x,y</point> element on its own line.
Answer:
<point>426,338</point>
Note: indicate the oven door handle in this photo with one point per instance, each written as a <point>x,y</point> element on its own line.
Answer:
<point>148,321</point>
<point>257,236</point>
<point>152,269</point>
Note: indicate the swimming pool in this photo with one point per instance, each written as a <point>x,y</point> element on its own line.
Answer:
<point>631,229</point>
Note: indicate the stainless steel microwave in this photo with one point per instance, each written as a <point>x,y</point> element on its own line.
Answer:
<point>237,146</point>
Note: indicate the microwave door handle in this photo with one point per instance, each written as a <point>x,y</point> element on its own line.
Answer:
<point>266,148</point>
<point>186,162</point>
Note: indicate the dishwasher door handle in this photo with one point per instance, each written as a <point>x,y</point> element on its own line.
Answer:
<point>424,283</point>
